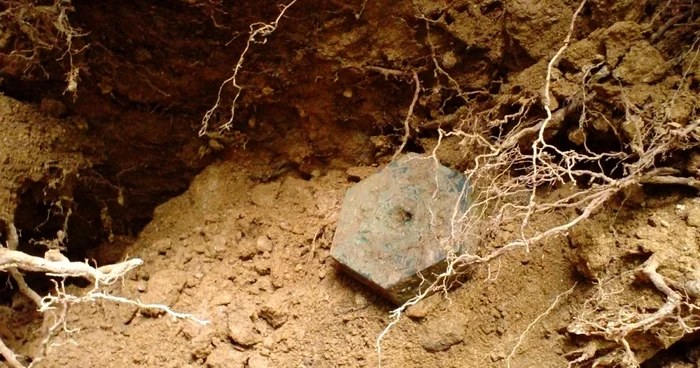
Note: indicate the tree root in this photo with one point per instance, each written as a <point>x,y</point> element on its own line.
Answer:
<point>56,265</point>
<point>615,330</point>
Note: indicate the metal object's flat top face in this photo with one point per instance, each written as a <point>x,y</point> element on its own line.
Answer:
<point>393,224</point>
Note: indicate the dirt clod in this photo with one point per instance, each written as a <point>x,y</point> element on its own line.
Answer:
<point>241,330</point>
<point>264,244</point>
<point>225,356</point>
<point>693,216</point>
<point>442,333</point>
<point>258,361</point>
<point>275,310</point>
<point>643,64</point>
<point>423,308</point>
<point>164,287</point>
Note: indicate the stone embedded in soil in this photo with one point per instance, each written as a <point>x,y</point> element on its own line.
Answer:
<point>263,244</point>
<point>262,266</point>
<point>360,301</point>
<point>265,195</point>
<point>634,195</point>
<point>141,286</point>
<point>191,330</point>
<point>278,269</point>
<point>536,27</point>
<point>264,284</point>
<point>440,334</point>
<point>682,111</point>
<point>581,54</point>
<point>618,39</point>
<point>394,229</point>
<point>497,356</point>
<point>577,135</point>
<point>245,249</point>
<point>221,299</point>
<point>192,281</point>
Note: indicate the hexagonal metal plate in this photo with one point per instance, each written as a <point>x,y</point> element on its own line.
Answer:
<point>396,227</point>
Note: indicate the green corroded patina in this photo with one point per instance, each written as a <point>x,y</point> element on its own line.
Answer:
<point>397,226</point>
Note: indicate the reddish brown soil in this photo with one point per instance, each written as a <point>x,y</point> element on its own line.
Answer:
<point>235,227</point>
<point>208,252</point>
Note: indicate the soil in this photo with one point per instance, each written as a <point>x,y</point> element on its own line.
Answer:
<point>236,226</point>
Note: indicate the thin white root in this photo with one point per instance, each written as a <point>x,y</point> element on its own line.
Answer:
<point>92,296</point>
<point>12,244</point>
<point>58,323</point>
<point>256,29</point>
<point>409,115</point>
<point>14,261</point>
<point>673,301</point>
<point>533,323</point>
<point>616,327</point>
<point>539,145</point>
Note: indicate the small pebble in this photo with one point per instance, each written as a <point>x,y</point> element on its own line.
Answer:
<point>497,356</point>
<point>360,301</point>
<point>141,286</point>
<point>263,244</point>
<point>693,216</point>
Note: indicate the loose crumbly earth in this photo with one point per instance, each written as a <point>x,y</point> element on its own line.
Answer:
<point>243,256</point>
<point>235,227</point>
<point>253,259</point>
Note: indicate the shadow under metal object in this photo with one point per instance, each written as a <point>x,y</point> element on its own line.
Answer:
<point>397,227</point>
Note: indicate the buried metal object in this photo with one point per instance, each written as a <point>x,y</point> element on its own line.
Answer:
<point>397,227</point>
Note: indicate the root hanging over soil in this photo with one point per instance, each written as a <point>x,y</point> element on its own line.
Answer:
<point>523,156</point>
<point>38,31</point>
<point>676,313</point>
<point>258,34</point>
<point>54,307</point>
<point>561,128</point>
